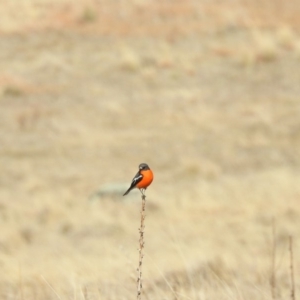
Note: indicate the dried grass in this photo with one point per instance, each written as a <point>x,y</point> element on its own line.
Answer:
<point>81,103</point>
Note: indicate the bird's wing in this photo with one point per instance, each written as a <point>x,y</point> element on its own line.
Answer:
<point>136,179</point>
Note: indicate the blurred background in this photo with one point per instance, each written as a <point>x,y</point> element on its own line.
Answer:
<point>205,92</point>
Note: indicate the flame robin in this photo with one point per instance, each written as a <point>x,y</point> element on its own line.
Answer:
<point>142,179</point>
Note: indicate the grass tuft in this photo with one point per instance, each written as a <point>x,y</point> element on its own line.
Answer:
<point>286,38</point>
<point>89,15</point>
<point>12,91</point>
<point>130,61</point>
<point>266,49</point>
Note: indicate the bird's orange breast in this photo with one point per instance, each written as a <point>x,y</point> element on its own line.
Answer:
<point>147,179</point>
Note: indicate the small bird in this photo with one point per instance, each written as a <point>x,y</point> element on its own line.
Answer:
<point>142,179</point>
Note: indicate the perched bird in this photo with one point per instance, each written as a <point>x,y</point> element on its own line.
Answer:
<point>142,179</point>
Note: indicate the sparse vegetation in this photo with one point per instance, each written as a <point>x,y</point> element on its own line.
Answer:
<point>12,91</point>
<point>207,92</point>
<point>89,15</point>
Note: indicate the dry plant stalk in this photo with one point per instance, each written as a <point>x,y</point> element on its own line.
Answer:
<point>293,295</point>
<point>273,275</point>
<point>141,247</point>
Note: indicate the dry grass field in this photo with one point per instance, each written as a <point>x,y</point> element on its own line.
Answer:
<point>206,92</point>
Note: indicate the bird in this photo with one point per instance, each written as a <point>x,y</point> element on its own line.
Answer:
<point>142,179</point>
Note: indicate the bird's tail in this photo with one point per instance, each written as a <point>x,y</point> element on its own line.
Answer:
<point>130,188</point>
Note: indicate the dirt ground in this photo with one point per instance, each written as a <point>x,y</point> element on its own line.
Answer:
<point>206,93</point>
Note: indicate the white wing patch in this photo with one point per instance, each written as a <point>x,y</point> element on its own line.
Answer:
<point>136,179</point>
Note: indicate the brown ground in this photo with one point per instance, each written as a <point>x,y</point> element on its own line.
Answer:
<point>207,94</point>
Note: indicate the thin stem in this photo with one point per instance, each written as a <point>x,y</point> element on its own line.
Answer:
<point>273,272</point>
<point>141,248</point>
<point>293,295</point>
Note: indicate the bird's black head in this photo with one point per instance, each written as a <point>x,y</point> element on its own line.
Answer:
<point>144,166</point>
